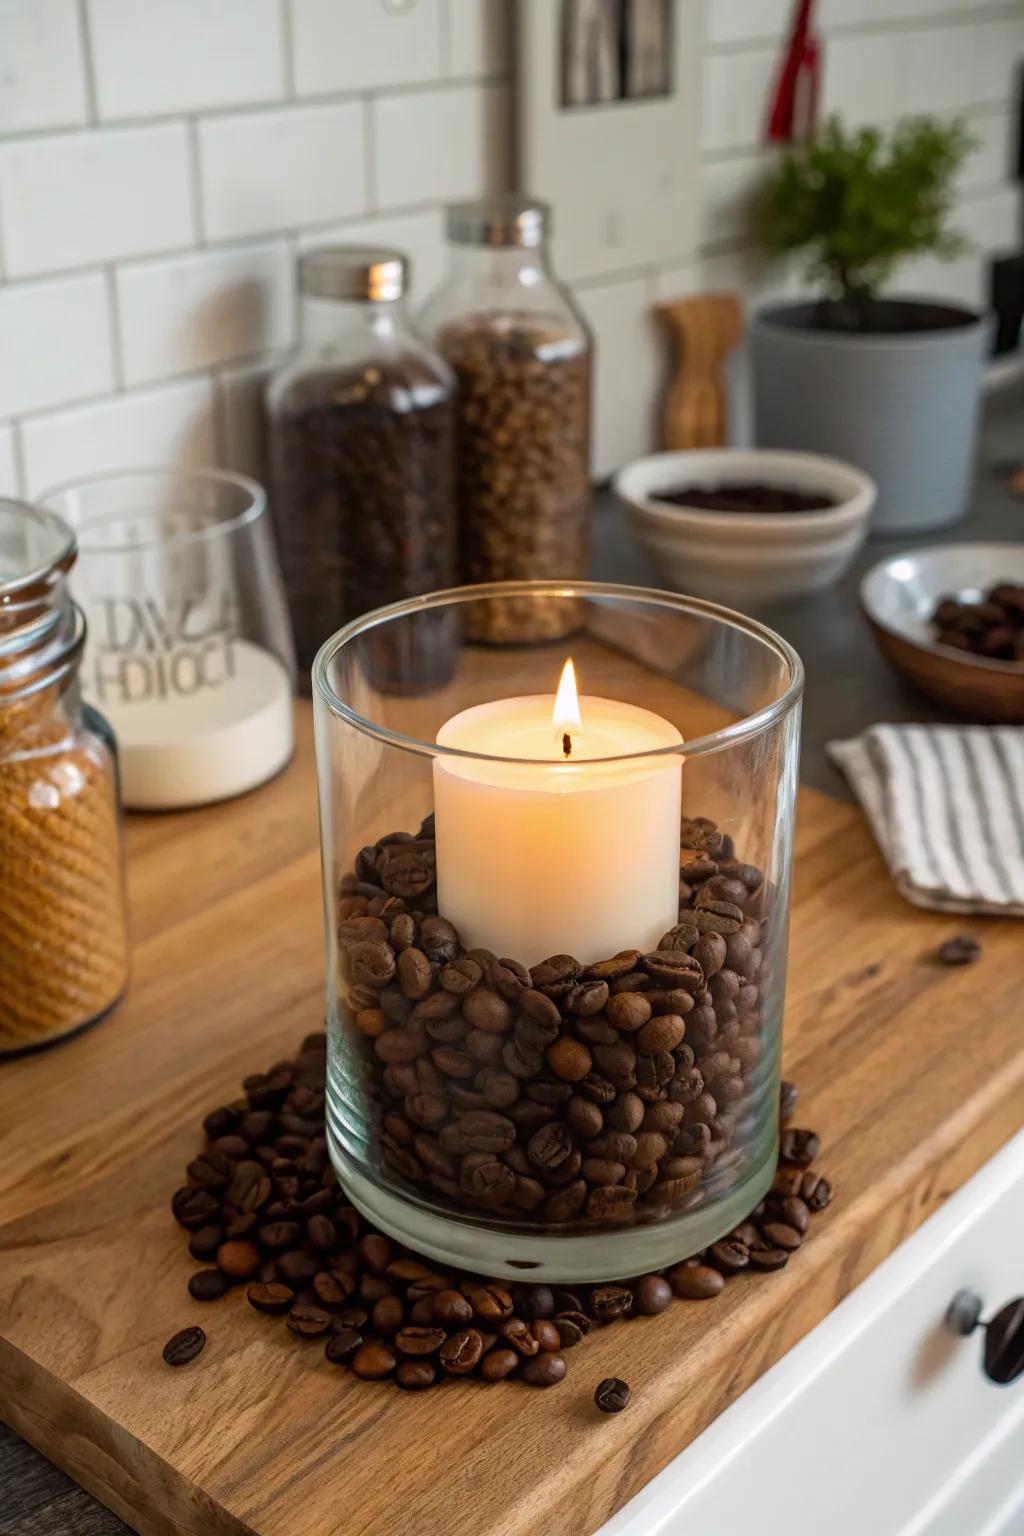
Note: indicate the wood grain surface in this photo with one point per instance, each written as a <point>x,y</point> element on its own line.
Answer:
<point>913,1073</point>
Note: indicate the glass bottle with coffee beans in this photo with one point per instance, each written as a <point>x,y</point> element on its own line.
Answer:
<point>361,446</point>
<point>522,357</point>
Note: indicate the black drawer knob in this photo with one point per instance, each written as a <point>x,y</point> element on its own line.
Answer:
<point>1002,1357</point>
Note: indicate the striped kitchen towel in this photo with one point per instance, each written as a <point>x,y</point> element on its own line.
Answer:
<point>946,804</point>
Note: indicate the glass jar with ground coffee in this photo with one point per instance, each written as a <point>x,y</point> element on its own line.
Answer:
<point>361,439</point>
<point>522,356</point>
<point>63,937</point>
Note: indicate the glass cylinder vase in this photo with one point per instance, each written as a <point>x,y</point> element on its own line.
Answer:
<point>556,925</point>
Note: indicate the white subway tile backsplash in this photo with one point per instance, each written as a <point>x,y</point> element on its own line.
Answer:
<point>865,77</point>
<point>729,190</point>
<point>153,56</point>
<point>991,159</point>
<point>10,481</point>
<point>182,313</point>
<point>745,21</point>
<point>42,65</point>
<point>936,79</point>
<point>993,222</point>
<point>359,45</point>
<point>172,424</point>
<point>241,393</point>
<point>479,37</point>
<point>420,236</point>
<point>55,343</point>
<point>438,144</point>
<point>632,364</point>
<point>737,90</point>
<point>265,171</point>
<point>998,52</point>
<point>75,198</point>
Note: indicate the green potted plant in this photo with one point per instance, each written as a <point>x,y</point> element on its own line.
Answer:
<point>890,384</point>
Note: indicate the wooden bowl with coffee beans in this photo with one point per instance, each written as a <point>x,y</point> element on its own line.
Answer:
<point>951,620</point>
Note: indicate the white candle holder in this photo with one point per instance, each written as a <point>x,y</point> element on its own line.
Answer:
<point>555,1011</point>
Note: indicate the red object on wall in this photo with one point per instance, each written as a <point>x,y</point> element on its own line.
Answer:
<point>794,110</point>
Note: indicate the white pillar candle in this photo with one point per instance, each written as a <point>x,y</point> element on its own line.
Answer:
<point>563,849</point>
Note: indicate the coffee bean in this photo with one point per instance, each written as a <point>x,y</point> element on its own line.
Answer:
<point>487,1010</point>
<point>550,1146</point>
<point>415,1375</point>
<point>628,1011</point>
<point>611,1203</point>
<point>769,1258</point>
<point>663,1033</point>
<point>555,976</point>
<point>587,998</point>
<point>307,1320</point>
<point>194,1208</point>
<point>452,1309</point>
<point>520,1336</point>
<point>321,1234</point>
<point>652,1294</point>
<point>962,950</point>
<point>696,1282</point>
<point>610,1301</point>
<point>373,1361</point>
<point>544,1370</point>
<point>572,1326</point>
<point>498,1364</point>
<point>388,1315</point>
<point>799,1148</point>
<point>279,1234</point>
<point>612,1395</point>
<point>815,1191</point>
<point>204,1243</point>
<point>710,953</point>
<point>460,1353</point>
<point>569,1059</point>
<point>674,968</point>
<point>460,976</point>
<point>343,1345</point>
<point>611,970</point>
<point>484,1130</point>
<point>270,1297</point>
<point>584,1117</point>
<point>419,1341</point>
<point>729,1256</point>
<point>297,1268</point>
<point>546,1334</point>
<point>376,1252</point>
<point>796,1213</point>
<point>183,1347</point>
<point>780,1235</point>
<point>208,1285</point>
<point>490,1301</point>
<point>238,1260</point>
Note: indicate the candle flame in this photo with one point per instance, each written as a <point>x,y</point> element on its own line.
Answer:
<point>566,713</point>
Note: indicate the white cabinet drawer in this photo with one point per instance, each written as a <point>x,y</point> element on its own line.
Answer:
<point>880,1421</point>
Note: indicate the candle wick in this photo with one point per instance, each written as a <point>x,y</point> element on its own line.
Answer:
<point>567,743</point>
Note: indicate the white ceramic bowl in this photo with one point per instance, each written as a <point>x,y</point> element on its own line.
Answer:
<point>747,557</point>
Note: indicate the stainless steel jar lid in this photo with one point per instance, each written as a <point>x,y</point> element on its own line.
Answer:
<point>370,272</point>
<point>507,219</point>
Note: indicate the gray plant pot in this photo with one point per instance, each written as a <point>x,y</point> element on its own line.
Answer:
<point>899,403</point>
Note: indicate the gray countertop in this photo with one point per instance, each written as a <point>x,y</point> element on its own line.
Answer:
<point>848,688</point>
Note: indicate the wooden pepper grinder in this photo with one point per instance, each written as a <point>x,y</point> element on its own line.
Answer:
<point>704,330</point>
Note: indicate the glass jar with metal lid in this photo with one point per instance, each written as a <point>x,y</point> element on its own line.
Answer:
<point>63,938</point>
<point>361,438</point>
<point>522,355</point>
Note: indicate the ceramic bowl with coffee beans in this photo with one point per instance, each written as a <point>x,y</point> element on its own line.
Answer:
<point>951,620</point>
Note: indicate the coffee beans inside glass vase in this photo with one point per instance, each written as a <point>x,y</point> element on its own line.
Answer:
<point>582,1093</point>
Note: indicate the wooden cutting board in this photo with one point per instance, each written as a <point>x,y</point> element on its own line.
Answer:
<point>913,1073</point>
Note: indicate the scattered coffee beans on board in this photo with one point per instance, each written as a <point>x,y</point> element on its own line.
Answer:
<point>262,1202</point>
<point>962,950</point>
